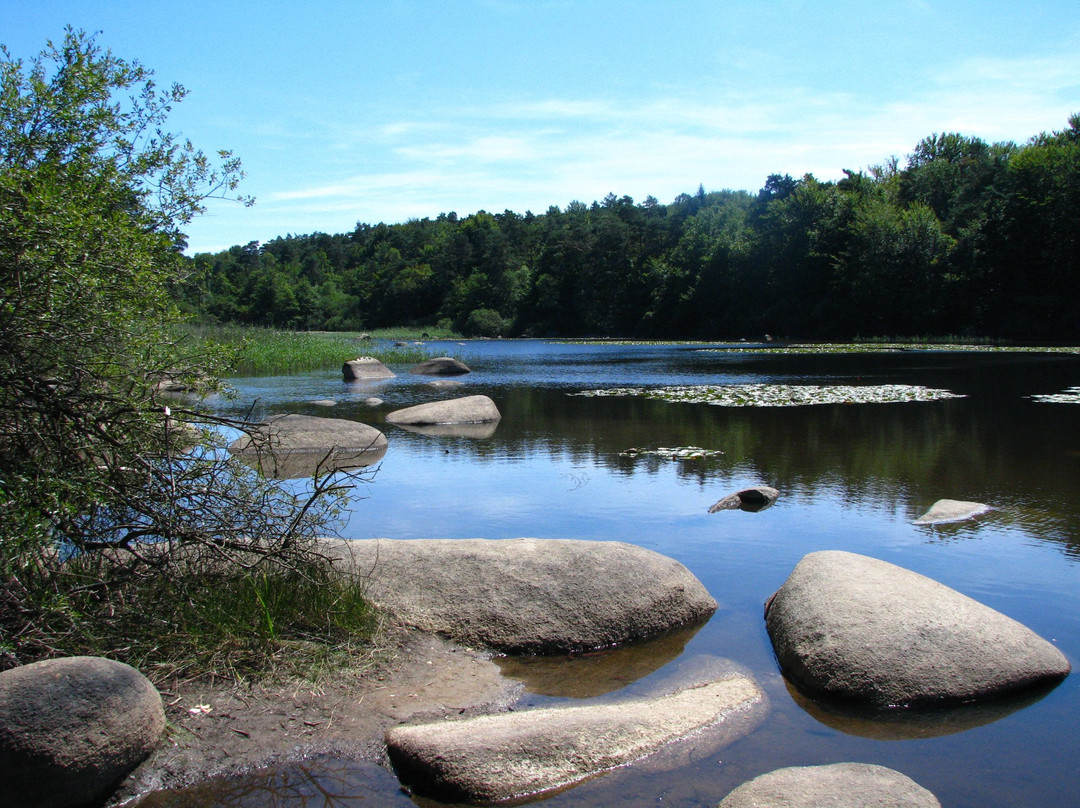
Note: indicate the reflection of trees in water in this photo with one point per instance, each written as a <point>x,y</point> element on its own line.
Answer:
<point>896,457</point>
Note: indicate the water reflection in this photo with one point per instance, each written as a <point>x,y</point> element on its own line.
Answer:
<point>586,675</point>
<point>319,783</point>
<point>906,725</point>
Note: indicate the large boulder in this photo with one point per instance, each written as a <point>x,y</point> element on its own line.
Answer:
<point>511,755</point>
<point>292,446</point>
<point>365,368</point>
<point>838,785</point>
<point>529,596</point>
<point>951,510</point>
<point>856,629</point>
<point>71,728</point>
<point>753,499</point>
<point>466,410</point>
<point>441,366</point>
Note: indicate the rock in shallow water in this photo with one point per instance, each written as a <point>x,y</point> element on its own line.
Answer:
<point>840,785</point>
<point>466,410</point>
<point>951,510</point>
<point>502,757</point>
<point>856,629</point>
<point>529,596</point>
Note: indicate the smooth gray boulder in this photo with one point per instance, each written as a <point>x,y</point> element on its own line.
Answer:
<point>365,368</point>
<point>71,728</point>
<point>951,510</point>
<point>528,596</point>
<point>441,366</point>
<point>753,499</point>
<point>292,446</point>
<point>856,629</point>
<point>502,757</point>
<point>466,410</point>
<point>838,785</point>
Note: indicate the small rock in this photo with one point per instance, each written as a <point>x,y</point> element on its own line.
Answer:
<point>71,728</point>
<point>373,401</point>
<point>855,629</point>
<point>365,368</point>
<point>839,785</point>
<point>467,410</point>
<point>324,402</point>
<point>753,499</point>
<point>951,510</point>
<point>441,366</point>
<point>510,755</point>
<point>445,383</point>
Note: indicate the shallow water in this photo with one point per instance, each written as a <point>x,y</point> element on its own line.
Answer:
<point>851,477</point>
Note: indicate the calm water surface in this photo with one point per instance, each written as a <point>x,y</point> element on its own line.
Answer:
<point>851,477</point>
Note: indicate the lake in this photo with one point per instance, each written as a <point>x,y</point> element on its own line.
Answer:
<point>851,476</point>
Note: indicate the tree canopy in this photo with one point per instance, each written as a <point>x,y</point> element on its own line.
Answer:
<point>964,237</point>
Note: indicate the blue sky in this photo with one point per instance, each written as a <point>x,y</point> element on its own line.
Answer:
<point>385,110</point>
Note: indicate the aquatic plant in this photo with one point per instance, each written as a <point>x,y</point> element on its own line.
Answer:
<point>779,395</point>
<point>1070,395</point>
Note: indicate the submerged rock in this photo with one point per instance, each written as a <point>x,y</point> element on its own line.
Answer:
<point>467,410</point>
<point>511,755</point>
<point>365,368</point>
<point>951,510</point>
<point>71,728</point>
<point>753,499</point>
<point>856,629</point>
<point>529,596</point>
<point>441,366</point>
<point>292,446</point>
<point>839,785</point>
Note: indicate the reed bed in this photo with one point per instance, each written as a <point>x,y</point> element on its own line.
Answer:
<point>270,352</point>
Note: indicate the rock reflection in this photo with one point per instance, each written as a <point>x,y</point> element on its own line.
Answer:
<point>905,725</point>
<point>586,675</point>
<point>296,464</point>
<point>479,430</point>
<point>324,783</point>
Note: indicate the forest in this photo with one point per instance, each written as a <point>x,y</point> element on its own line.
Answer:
<point>963,238</point>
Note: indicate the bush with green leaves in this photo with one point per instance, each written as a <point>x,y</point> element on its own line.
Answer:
<point>112,494</point>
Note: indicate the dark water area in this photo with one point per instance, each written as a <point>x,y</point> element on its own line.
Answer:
<point>851,476</point>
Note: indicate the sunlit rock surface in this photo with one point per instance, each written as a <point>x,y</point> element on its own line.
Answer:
<point>753,499</point>
<point>951,510</point>
<point>293,446</point>
<point>511,755</point>
<point>441,366</point>
<point>529,596</point>
<point>853,628</point>
<point>839,785</point>
<point>365,368</point>
<point>466,410</point>
<point>71,728</point>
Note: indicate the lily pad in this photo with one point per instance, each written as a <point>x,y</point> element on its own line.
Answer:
<point>1070,395</point>
<point>779,395</point>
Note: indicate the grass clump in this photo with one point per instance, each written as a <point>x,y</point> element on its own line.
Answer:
<point>271,352</point>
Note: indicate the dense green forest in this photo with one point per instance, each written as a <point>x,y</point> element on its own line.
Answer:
<point>967,237</point>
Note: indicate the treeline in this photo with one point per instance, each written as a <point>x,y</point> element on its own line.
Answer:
<point>967,237</point>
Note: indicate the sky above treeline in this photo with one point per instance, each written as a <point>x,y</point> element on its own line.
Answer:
<point>387,110</point>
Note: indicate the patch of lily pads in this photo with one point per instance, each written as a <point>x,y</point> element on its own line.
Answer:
<point>887,347</point>
<point>1070,395</point>
<point>676,453</point>
<point>779,395</point>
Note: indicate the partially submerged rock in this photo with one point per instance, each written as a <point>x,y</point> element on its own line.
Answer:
<point>466,410</point>
<point>512,755</point>
<point>856,629</point>
<point>838,785</point>
<point>71,728</point>
<point>951,510</point>
<point>441,366</point>
<point>292,446</point>
<point>365,368</point>
<point>324,402</point>
<point>529,596</point>
<point>753,499</point>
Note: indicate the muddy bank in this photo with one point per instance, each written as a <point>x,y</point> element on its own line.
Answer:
<point>228,729</point>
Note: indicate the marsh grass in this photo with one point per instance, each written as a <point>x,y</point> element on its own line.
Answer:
<point>227,623</point>
<point>270,352</point>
